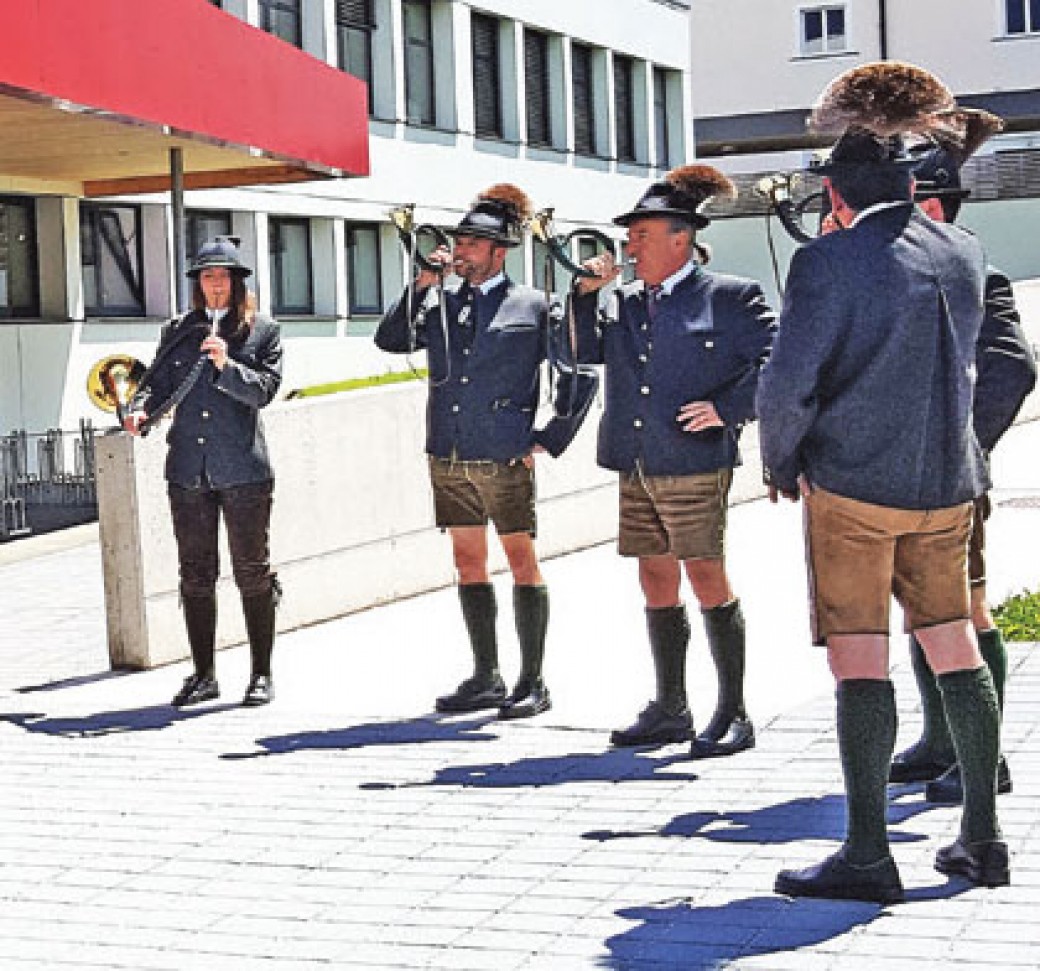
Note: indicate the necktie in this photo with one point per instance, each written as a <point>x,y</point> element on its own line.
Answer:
<point>653,300</point>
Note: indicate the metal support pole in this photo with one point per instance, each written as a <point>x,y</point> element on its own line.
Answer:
<point>180,248</point>
<point>882,30</point>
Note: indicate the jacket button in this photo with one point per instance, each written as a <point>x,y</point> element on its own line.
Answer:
<point>202,441</point>
<point>465,352</point>
<point>642,359</point>
<point>645,389</point>
<point>638,423</point>
<point>455,408</point>
<point>464,379</point>
<point>205,414</point>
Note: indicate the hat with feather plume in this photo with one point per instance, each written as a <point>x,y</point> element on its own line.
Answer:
<point>498,213</point>
<point>681,194</point>
<point>939,173</point>
<point>875,107</point>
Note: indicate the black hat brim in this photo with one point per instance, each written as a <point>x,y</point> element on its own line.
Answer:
<point>236,268</point>
<point>696,220</point>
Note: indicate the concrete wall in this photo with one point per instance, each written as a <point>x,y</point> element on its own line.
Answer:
<point>352,524</point>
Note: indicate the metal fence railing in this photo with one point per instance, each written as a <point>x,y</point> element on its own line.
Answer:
<point>49,474</point>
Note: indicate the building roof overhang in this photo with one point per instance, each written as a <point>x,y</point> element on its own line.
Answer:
<point>94,95</point>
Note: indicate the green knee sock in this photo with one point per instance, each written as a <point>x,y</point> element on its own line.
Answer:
<point>973,715</point>
<point>935,736</point>
<point>866,739</point>
<point>991,646</point>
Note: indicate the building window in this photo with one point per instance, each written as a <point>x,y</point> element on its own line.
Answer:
<point>201,225</point>
<point>536,84</point>
<point>582,99</point>
<point>290,243</point>
<point>823,30</point>
<point>544,268</point>
<point>364,269</point>
<point>1023,16</point>
<point>418,63</point>
<point>110,257</point>
<point>624,109</point>
<point>662,150</point>
<point>487,101</point>
<point>283,19</point>
<point>355,22</point>
<point>19,292</point>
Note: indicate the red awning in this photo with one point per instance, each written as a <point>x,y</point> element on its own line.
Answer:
<point>94,94</point>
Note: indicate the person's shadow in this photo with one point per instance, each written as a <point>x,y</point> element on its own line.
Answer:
<point>612,765</point>
<point>804,818</point>
<point>146,719</point>
<point>411,731</point>
<point>678,933</point>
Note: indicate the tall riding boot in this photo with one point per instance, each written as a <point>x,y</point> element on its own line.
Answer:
<point>730,730</point>
<point>485,689</point>
<point>531,614</point>
<point>200,620</point>
<point>932,754</point>
<point>949,788</point>
<point>667,718</point>
<point>259,613</point>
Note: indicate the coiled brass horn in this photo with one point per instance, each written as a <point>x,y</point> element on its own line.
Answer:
<point>403,219</point>
<point>541,226</point>
<point>113,381</point>
<point>779,190</point>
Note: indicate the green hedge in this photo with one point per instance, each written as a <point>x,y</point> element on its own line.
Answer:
<point>352,384</point>
<point>1018,617</point>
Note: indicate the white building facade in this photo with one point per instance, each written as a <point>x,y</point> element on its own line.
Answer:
<point>758,66</point>
<point>579,108</point>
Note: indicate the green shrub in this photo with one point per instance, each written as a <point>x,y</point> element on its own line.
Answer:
<point>351,384</point>
<point>1018,617</point>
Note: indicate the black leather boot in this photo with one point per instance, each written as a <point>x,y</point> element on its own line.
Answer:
<point>259,613</point>
<point>200,621</point>
<point>531,613</point>
<point>667,718</point>
<point>485,689</point>
<point>730,730</point>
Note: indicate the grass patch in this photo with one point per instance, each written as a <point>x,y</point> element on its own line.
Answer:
<point>1018,617</point>
<point>352,384</point>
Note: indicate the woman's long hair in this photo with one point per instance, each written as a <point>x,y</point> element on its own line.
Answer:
<point>238,321</point>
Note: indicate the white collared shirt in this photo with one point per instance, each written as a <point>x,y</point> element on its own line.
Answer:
<point>877,207</point>
<point>669,284</point>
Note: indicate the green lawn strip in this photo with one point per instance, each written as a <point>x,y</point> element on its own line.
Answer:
<point>1018,617</point>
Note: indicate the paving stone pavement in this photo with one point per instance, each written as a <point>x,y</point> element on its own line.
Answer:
<point>346,826</point>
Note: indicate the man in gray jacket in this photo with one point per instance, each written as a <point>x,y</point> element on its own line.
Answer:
<point>866,412</point>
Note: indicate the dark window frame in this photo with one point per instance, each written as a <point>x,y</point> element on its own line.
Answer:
<point>266,11</point>
<point>419,88</point>
<point>95,213</point>
<point>538,94</point>
<point>583,100</point>
<point>624,108</point>
<point>193,239</point>
<point>823,13</point>
<point>356,307</point>
<point>355,20</point>
<point>1021,17</point>
<point>276,248</point>
<point>487,77</point>
<point>662,129</point>
<point>32,309</point>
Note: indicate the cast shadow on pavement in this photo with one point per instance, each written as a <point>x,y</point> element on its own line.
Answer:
<point>612,765</point>
<point>804,818</point>
<point>411,731</point>
<point>73,682</point>
<point>148,719</point>
<point>679,934</point>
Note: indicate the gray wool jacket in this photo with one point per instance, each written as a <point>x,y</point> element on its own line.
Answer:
<point>217,436</point>
<point>869,388</point>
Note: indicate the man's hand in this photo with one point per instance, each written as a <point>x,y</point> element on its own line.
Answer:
<point>132,422</point>
<point>604,267</point>
<point>804,489</point>
<point>696,416</point>
<point>442,257</point>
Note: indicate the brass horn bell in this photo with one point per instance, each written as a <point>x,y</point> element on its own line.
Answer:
<point>113,381</point>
